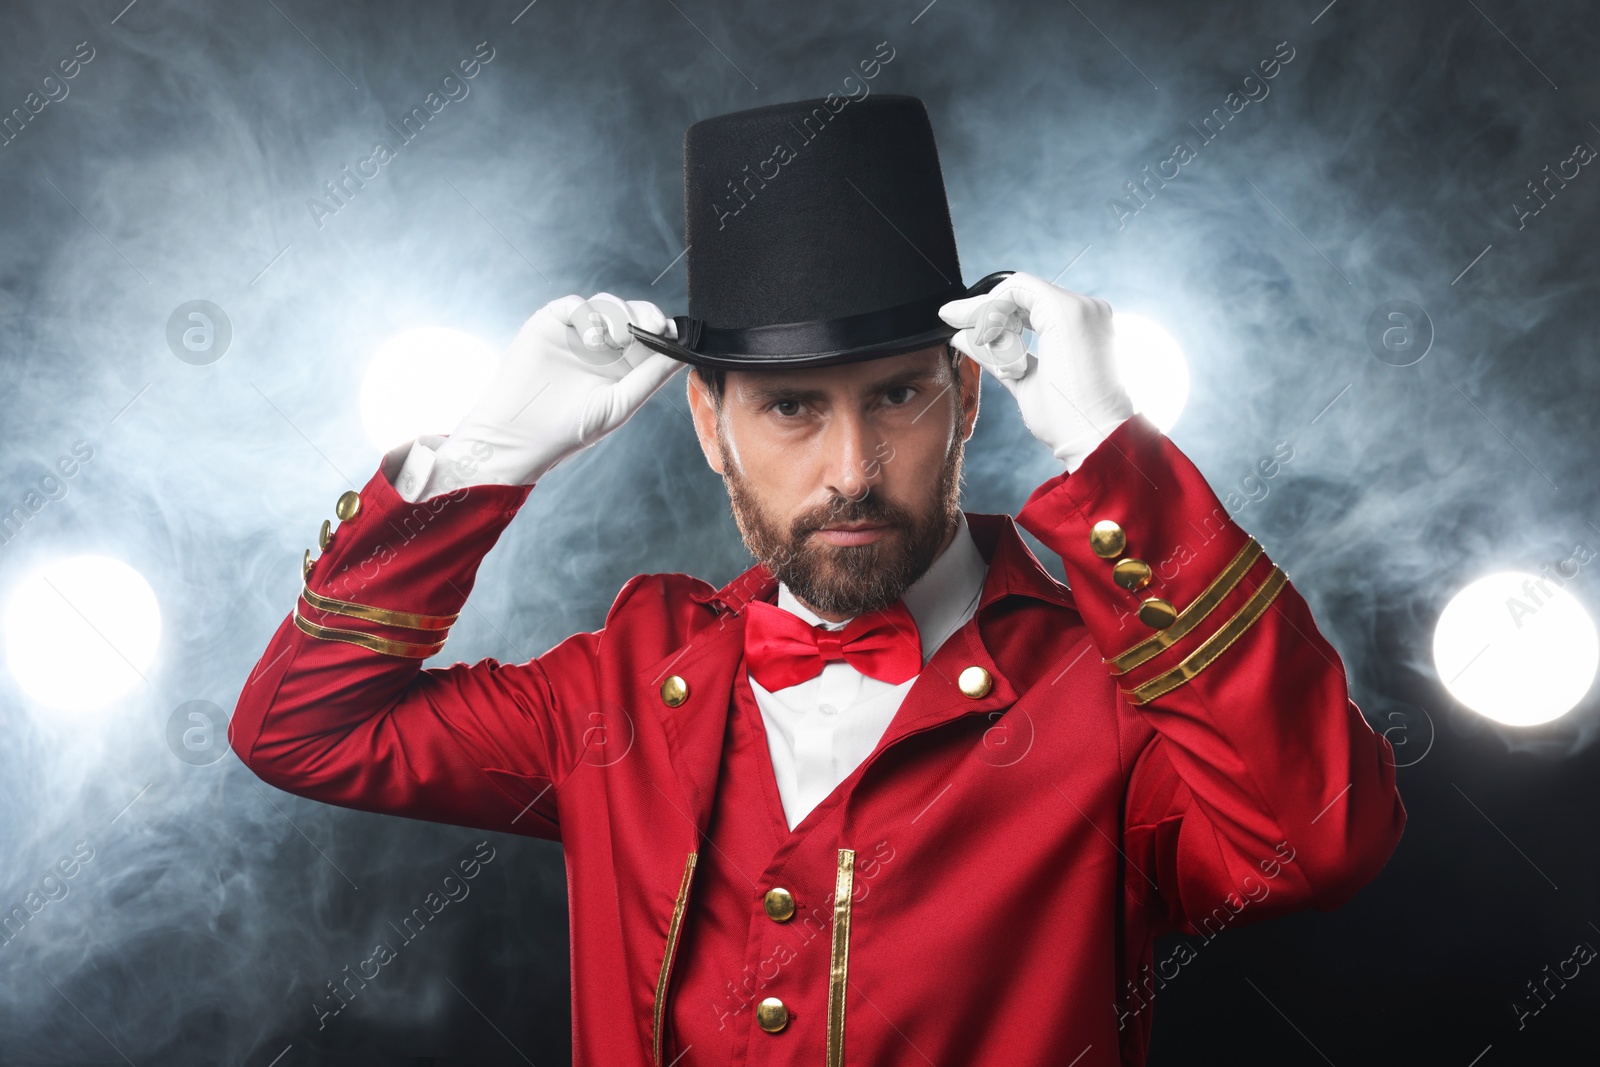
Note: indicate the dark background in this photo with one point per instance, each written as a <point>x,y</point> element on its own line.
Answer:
<point>1388,155</point>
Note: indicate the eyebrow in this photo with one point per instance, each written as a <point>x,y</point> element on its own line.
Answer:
<point>770,393</point>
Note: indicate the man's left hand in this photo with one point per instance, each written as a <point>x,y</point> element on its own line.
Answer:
<point>1069,393</point>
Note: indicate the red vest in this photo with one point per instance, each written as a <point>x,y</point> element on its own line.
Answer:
<point>734,954</point>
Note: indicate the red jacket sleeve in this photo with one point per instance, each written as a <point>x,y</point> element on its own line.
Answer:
<point>1261,788</point>
<point>340,710</point>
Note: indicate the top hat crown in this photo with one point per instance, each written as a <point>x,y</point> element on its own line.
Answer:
<point>818,233</point>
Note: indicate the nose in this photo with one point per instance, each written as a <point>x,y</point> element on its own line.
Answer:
<point>853,447</point>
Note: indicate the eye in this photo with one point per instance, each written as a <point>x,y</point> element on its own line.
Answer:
<point>899,395</point>
<point>786,408</point>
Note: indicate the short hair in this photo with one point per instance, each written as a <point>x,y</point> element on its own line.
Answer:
<point>715,379</point>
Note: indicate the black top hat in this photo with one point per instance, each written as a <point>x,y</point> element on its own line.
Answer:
<point>818,233</point>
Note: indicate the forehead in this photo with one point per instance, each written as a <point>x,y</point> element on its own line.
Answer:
<point>841,379</point>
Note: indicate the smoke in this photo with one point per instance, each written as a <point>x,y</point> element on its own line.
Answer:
<point>183,162</point>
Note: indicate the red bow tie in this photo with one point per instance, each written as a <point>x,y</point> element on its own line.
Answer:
<point>781,649</point>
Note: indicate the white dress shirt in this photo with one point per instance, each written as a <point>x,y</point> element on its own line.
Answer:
<point>820,730</point>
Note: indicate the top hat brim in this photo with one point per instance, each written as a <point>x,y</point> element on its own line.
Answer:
<point>874,335</point>
<point>741,361</point>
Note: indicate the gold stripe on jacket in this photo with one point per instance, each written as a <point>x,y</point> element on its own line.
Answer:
<point>839,957</point>
<point>673,928</point>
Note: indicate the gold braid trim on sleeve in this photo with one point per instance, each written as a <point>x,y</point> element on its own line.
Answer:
<point>1215,645</point>
<point>1191,616</point>
<point>404,619</point>
<point>367,641</point>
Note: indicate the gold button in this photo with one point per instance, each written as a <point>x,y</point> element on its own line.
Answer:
<point>305,566</point>
<point>975,682</point>
<point>779,903</point>
<point>325,535</point>
<point>1107,539</point>
<point>674,691</point>
<point>347,507</point>
<point>1131,574</point>
<point>1157,613</point>
<point>771,1015</point>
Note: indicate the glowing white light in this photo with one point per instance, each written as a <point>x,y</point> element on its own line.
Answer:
<point>423,381</point>
<point>1516,648</point>
<point>81,632</point>
<point>1152,369</point>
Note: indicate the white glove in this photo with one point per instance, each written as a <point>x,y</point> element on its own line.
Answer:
<point>1069,394</point>
<point>571,375</point>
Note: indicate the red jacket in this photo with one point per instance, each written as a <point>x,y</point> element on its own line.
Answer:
<point>1072,774</point>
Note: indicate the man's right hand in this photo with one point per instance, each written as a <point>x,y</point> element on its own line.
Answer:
<point>572,375</point>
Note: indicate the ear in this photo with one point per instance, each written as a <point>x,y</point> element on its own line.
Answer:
<point>704,413</point>
<point>970,375</point>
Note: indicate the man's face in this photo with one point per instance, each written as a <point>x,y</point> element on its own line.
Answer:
<point>844,480</point>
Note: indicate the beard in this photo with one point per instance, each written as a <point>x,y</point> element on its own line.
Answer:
<point>847,580</point>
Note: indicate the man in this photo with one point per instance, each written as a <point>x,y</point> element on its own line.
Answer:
<point>894,794</point>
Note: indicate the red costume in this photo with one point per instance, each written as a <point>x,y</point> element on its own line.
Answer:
<point>1064,781</point>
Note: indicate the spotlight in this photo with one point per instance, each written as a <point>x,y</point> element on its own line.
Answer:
<point>423,381</point>
<point>81,632</point>
<point>1152,369</point>
<point>1516,648</point>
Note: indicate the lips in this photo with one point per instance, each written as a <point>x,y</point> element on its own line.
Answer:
<point>852,533</point>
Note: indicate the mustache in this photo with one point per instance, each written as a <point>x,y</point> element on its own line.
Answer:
<point>868,508</point>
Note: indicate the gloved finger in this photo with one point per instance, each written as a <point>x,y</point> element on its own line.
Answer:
<point>959,313</point>
<point>965,311</point>
<point>997,303</point>
<point>606,319</point>
<point>1044,304</point>
<point>991,316</point>
<point>549,322</point>
<point>1032,296</point>
<point>562,308</point>
<point>652,319</point>
<point>1005,367</point>
<point>637,386</point>
<point>994,330</point>
<point>598,335</point>
<point>646,316</point>
<point>615,314</point>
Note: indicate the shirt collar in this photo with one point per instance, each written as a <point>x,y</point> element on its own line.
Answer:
<point>940,601</point>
